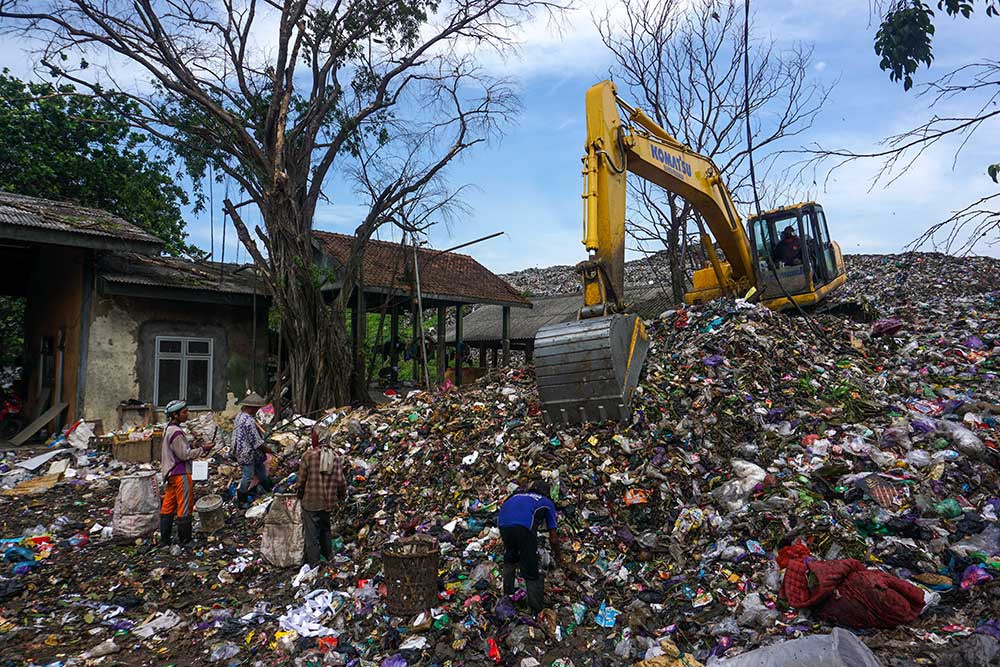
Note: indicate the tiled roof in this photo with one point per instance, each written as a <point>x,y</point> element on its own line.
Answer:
<point>443,275</point>
<point>18,212</point>
<point>136,269</point>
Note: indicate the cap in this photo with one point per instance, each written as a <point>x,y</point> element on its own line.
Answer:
<point>173,407</point>
<point>253,400</point>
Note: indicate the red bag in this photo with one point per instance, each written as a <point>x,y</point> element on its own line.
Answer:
<point>846,593</point>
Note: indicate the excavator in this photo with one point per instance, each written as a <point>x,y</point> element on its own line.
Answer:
<point>587,369</point>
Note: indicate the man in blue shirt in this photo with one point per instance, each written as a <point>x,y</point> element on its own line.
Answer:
<point>521,516</point>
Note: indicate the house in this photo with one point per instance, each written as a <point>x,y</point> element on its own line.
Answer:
<point>449,283</point>
<point>108,320</point>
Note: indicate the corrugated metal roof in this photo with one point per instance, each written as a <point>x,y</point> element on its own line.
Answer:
<point>173,272</point>
<point>56,216</point>
<point>389,266</point>
<point>485,324</point>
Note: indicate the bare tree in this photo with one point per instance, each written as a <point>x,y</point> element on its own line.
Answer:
<point>684,63</point>
<point>284,95</point>
<point>973,87</point>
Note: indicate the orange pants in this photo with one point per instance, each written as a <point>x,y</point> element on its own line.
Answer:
<point>179,497</point>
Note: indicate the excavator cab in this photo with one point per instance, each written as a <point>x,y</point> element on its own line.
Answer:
<point>794,255</point>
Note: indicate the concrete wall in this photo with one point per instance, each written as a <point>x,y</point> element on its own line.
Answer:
<point>121,358</point>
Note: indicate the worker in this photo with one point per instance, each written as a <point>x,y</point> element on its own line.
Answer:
<point>789,249</point>
<point>176,455</point>
<point>321,485</point>
<point>249,449</point>
<point>520,517</point>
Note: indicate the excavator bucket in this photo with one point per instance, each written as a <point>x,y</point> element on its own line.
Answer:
<point>587,370</point>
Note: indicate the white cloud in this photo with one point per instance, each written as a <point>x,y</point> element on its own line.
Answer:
<point>820,66</point>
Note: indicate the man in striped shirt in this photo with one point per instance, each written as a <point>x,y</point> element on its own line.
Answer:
<point>321,485</point>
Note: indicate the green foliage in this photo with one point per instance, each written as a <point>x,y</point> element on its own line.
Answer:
<point>60,145</point>
<point>11,330</point>
<point>994,171</point>
<point>904,40</point>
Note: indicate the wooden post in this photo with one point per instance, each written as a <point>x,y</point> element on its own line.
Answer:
<point>482,355</point>
<point>493,357</point>
<point>505,335</point>
<point>458,345</point>
<point>529,352</point>
<point>442,353</point>
<point>394,337</point>
<point>416,341</point>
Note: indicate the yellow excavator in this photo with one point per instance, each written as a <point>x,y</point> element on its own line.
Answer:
<point>587,369</point>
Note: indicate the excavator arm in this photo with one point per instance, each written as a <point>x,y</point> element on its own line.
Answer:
<point>647,150</point>
<point>587,370</point>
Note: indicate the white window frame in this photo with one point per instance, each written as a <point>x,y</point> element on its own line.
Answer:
<point>183,356</point>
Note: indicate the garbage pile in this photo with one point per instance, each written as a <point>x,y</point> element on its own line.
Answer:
<point>861,456</point>
<point>653,269</point>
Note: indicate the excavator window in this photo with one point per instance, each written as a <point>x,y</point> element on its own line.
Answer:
<point>821,249</point>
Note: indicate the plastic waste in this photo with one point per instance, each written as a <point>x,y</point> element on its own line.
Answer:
<point>223,651</point>
<point>841,648</point>
<point>733,494</point>
<point>974,575</point>
<point>976,650</point>
<point>948,509</point>
<point>107,647</point>
<point>964,440</point>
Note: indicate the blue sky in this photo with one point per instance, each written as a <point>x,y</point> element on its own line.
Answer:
<point>528,184</point>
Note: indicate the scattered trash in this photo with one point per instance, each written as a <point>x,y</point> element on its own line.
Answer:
<point>756,446</point>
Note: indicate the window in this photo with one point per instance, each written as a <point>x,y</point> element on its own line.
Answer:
<point>184,371</point>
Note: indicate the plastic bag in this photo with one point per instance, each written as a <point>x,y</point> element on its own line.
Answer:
<point>223,651</point>
<point>837,649</point>
<point>963,439</point>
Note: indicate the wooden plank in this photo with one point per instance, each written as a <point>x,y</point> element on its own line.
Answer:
<point>33,428</point>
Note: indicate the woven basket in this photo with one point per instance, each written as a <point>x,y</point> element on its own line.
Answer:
<point>411,569</point>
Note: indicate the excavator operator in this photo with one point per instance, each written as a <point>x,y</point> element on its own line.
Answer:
<point>789,249</point>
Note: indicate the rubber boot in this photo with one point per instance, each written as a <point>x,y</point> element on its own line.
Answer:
<point>184,530</point>
<point>166,528</point>
<point>242,500</point>
<point>509,576</point>
<point>536,593</point>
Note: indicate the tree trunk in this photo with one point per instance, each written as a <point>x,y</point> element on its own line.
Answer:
<point>676,222</point>
<point>319,345</point>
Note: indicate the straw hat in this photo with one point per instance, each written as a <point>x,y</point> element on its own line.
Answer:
<point>253,400</point>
